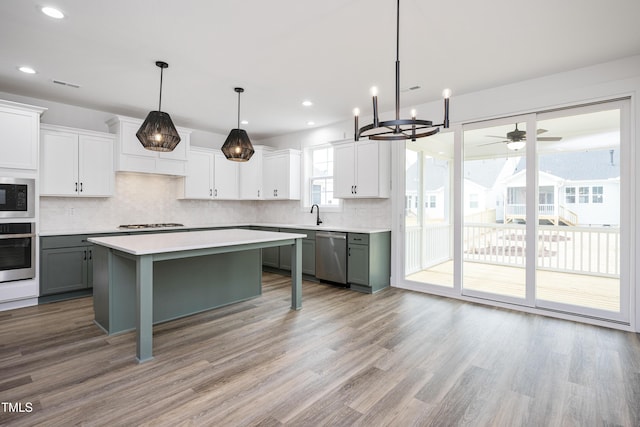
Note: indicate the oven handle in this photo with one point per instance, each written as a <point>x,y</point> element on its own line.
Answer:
<point>16,236</point>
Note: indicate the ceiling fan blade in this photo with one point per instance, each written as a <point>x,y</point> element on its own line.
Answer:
<point>549,138</point>
<point>491,143</point>
<point>495,136</point>
<point>539,131</point>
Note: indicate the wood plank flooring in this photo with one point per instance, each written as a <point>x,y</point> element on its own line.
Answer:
<point>397,358</point>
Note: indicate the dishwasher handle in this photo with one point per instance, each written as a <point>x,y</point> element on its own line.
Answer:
<point>340,236</point>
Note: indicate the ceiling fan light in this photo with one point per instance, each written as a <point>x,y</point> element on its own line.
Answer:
<point>515,145</point>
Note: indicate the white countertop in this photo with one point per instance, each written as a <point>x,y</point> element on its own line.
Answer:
<point>154,243</point>
<point>116,230</point>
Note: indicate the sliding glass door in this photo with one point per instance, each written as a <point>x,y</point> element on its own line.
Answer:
<point>494,210</point>
<point>529,210</point>
<point>428,211</point>
<point>580,244</point>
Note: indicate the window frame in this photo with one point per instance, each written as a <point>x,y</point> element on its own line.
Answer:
<point>307,200</point>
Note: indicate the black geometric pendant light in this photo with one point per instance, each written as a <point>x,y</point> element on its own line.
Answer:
<point>157,132</point>
<point>237,146</point>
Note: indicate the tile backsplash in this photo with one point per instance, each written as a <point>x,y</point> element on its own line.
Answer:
<point>147,198</point>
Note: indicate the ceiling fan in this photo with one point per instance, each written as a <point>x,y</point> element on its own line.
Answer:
<point>516,138</point>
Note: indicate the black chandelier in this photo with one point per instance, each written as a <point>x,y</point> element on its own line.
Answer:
<point>237,146</point>
<point>399,129</point>
<point>157,132</point>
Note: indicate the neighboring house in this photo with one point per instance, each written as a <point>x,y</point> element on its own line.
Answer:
<point>574,188</point>
<point>579,188</point>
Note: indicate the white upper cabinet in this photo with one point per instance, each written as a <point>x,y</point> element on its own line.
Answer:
<point>198,184</point>
<point>362,169</point>
<point>282,175</point>
<point>131,156</point>
<point>19,130</point>
<point>210,176</point>
<point>225,178</point>
<point>251,180</point>
<point>75,162</point>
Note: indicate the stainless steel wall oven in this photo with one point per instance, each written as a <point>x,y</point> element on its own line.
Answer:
<point>17,251</point>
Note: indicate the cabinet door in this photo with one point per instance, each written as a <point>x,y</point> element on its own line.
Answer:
<point>366,167</point>
<point>197,183</point>
<point>59,168</point>
<point>358,264</point>
<point>18,139</point>
<point>63,270</point>
<point>250,177</point>
<point>275,177</point>
<point>95,166</point>
<point>225,178</point>
<point>344,170</point>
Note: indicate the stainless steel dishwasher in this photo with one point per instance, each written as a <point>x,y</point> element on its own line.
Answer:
<point>331,256</point>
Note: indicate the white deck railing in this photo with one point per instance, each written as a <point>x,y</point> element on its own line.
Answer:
<point>584,250</point>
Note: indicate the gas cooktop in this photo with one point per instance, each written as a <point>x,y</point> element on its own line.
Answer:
<point>159,225</point>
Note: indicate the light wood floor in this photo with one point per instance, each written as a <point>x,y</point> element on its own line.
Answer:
<point>578,289</point>
<point>396,358</point>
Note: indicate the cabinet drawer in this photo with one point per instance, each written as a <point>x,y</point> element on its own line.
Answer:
<point>50,242</point>
<point>67,241</point>
<point>359,238</point>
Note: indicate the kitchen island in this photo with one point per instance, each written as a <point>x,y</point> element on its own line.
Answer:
<point>144,279</point>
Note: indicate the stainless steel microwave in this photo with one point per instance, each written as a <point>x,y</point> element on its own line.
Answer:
<point>17,198</point>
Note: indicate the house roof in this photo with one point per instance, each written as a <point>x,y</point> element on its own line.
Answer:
<point>578,166</point>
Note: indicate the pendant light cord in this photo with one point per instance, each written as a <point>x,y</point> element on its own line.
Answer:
<point>160,101</point>
<point>239,109</point>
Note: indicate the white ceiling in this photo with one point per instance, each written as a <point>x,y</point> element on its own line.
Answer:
<point>285,51</point>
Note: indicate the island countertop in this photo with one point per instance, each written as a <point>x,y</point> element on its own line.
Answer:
<point>154,243</point>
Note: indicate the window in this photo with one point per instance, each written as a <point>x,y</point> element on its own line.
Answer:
<point>321,177</point>
<point>596,194</point>
<point>432,202</point>
<point>473,201</point>
<point>570,194</point>
<point>583,194</point>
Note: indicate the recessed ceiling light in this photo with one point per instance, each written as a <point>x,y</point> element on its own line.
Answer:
<point>244,122</point>
<point>27,70</point>
<point>52,12</point>
<point>310,123</point>
<point>307,103</point>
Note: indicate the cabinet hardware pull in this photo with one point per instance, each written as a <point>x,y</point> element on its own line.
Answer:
<point>210,192</point>
<point>76,187</point>
<point>85,256</point>
<point>90,254</point>
<point>258,193</point>
<point>215,192</point>
<point>81,187</point>
<point>355,189</point>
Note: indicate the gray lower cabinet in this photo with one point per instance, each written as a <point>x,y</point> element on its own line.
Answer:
<point>308,252</point>
<point>65,264</point>
<point>369,261</point>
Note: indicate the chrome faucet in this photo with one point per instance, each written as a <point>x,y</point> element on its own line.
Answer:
<point>318,220</point>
